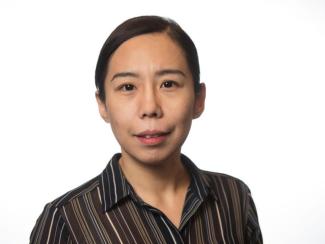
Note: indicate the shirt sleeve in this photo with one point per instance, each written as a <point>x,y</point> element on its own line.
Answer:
<point>50,228</point>
<point>253,231</point>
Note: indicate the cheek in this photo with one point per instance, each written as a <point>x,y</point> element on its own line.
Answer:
<point>184,113</point>
<point>121,114</point>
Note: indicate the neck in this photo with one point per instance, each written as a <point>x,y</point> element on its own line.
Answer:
<point>155,180</point>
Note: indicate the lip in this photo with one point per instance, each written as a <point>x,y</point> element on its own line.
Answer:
<point>152,137</point>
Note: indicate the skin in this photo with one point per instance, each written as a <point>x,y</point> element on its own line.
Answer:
<point>149,87</point>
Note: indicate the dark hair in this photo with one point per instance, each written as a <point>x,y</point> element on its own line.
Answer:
<point>144,25</point>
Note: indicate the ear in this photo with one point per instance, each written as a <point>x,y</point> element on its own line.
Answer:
<point>199,102</point>
<point>102,108</point>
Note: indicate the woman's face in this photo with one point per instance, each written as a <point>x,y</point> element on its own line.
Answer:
<point>150,100</point>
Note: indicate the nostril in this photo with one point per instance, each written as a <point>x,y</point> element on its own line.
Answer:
<point>150,115</point>
<point>150,106</point>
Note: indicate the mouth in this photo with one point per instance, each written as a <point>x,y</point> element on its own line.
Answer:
<point>152,137</point>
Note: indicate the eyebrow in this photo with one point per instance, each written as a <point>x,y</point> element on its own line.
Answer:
<point>158,73</point>
<point>170,71</point>
<point>124,74</point>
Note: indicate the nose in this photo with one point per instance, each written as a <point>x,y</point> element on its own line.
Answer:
<point>150,106</point>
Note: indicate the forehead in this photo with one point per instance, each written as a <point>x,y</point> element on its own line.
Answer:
<point>155,50</point>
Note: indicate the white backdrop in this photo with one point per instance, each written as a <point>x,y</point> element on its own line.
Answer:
<point>264,66</point>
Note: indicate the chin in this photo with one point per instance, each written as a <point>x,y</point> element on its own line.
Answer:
<point>151,157</point>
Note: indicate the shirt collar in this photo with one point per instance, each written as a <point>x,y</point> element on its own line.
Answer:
<point>114,187</point>
<point>200,184</point>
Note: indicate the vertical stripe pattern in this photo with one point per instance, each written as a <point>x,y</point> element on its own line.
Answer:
<point>218,209</point>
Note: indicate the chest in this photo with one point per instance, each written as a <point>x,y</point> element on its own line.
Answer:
<point>206,222</point>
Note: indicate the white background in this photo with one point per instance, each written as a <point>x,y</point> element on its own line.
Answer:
<point>264,66</point>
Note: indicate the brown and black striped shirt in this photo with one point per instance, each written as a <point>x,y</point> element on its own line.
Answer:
<point>218,209</point>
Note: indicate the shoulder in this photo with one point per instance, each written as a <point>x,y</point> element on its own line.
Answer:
<point>75,193</point>
<point>226,187</point>
<point>52,219</point>
<point>216,179</point>
<point>70,196</point>
<point>234,198</point>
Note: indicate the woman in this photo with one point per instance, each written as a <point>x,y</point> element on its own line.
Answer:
<point>148,90</point>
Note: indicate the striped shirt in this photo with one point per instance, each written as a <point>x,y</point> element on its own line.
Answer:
<point>218,209</point>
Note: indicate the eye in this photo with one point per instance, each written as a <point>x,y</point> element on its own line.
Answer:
<point>168,84</point>
<point>127,87</point>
